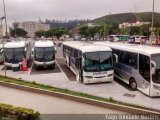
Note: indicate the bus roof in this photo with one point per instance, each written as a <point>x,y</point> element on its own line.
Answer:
<point>86,47</point>
<point>14,44</point>
<point>43,43</point>
<point>143,49</point>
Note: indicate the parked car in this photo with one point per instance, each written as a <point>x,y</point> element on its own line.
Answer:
<point>158,40</point>
<point>136,39</point>
<point>143,39</point>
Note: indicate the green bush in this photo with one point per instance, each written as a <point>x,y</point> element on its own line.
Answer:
<point>19,113</point>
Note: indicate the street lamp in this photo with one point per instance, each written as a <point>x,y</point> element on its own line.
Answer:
<point>104,29</point>
<point>4,8</point>
<point>152,24</point>
<point>153,15</point>
<point>3,45</point>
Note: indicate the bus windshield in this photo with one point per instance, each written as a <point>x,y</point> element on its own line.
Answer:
<point>98,61</point>
<point>14,54</point>
<point>44,54</point>
<point>156,76</point>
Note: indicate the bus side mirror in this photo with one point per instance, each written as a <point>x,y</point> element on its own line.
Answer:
<point>80,60</point>
<point>115,58</point>
<point>1,51</point>
<point>55,50</point>
<point>83,63</point>
<point>153,69</point>
<point>32,52</point>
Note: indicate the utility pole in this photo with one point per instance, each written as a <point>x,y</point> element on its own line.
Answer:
<point>104,32</point>
<point>5,17</point>
<point>153,15</point>
<point>152,24</point>
<point>3,46</point>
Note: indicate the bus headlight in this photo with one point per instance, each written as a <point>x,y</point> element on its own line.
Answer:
<point>156,87</point>
<point>89,77</point>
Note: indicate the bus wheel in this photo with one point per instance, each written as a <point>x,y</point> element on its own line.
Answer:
<point>37,67</point>
<point>53,66</point>
<point>133,84</point>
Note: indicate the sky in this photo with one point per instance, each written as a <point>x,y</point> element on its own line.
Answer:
<point>20,10</point>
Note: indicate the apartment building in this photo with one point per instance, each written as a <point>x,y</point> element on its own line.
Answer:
<point>31,26</point>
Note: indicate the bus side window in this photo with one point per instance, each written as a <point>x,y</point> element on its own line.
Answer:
<point>121,56</point>
<point>144,67</point>
<point>75,53</point>
<point>131,59</point>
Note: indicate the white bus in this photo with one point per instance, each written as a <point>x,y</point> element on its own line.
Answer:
<point>119,38</point>
<point>1,54</point>
<point>90,63</point>
<point>44,54</point>
<point>14,52</point>
<point>138,66</point>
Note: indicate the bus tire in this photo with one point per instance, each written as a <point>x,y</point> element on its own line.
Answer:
<point>37,67</point>
<point>133,84</point>
<point>53,66</point>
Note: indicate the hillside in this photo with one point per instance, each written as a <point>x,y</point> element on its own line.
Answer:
<point>128,17</point>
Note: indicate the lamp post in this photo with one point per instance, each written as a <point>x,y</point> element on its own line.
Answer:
<point>153,15</point>
<point>152,24</point>
<point>104,29</point>
<point>4,8</point>
<point>3,45</point>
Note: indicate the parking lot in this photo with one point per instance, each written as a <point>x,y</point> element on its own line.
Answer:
<point>62,77</point>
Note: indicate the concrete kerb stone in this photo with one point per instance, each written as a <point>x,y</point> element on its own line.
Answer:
<point>108,105</point>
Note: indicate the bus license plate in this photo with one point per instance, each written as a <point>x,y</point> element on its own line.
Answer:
<point>99,73</point>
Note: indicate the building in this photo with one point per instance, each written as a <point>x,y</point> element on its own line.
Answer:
<point>31,26</point>
<point>137,24</point>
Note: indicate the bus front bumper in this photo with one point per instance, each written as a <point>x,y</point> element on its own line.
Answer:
<point>44,63</point>
<point>12,65</point>
<point>97,80</point>
<point>155,90</point>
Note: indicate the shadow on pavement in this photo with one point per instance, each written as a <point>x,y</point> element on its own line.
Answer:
<point>71,76</point>
<point>34,71</point>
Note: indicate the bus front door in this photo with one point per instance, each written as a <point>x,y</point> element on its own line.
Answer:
<point>80,71</point>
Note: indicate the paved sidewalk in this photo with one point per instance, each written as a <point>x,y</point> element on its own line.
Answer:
<point>49,104</point>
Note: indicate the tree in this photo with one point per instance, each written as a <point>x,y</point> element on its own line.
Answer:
<point>134,30</point>
<point>18,32</point>
<point>58,32</point>
<point>114,29</point>
<point>125,31</point>
<point>144,30</point>
<point>49,33</point>
<point>40,33</point>
<point>83,31</point>
<point>157,32</point>
<point>104,30</point>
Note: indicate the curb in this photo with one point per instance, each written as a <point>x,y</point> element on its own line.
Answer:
<point>108,105</point>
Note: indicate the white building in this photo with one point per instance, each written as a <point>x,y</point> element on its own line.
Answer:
<point>31,26</point>
<point>126,24</point>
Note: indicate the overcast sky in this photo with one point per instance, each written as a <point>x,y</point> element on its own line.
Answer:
<point>18,10</point>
